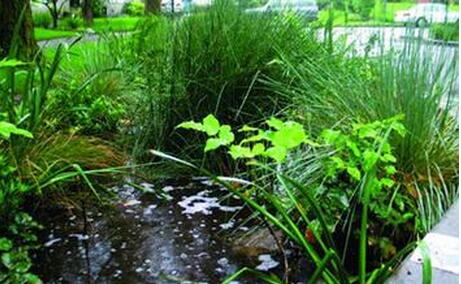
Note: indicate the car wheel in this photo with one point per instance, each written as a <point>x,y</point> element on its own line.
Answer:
<point>421,23</point>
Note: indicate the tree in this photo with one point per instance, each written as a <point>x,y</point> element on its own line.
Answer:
<point>55,9</point>
<point>17,29</point>
<point>87,12</point>
<point>152,7</point>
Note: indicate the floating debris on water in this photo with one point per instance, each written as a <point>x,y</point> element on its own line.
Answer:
<point>267,262</point>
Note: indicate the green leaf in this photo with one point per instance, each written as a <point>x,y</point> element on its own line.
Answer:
<point>237,152</point>
<point>9,63</point>
<point>387,182</point>
<point>370,158</point>
<point>213,143</point>
<point>290,136</point>
<point>7,260</point>
<point>191,125</point>
<point>5,244</point>
<point>247,128</point>
<point>388,158</point>
<point>330,136</point>
<point>6,129</point>
<point>339,163</point>
<point>275,123</point>
<point>226,134</point>
<point>258,149</point>
<point>390,170</point>
<point>277,153</point>
<point>211,125</point>
<point>32,278</point>
<point>367,131</point>
<point>354,173</point>
<point>353,147</point>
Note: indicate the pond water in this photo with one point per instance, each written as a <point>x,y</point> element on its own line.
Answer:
<point>179,238</point>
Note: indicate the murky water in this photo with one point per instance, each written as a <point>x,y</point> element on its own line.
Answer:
<point>179,238</point>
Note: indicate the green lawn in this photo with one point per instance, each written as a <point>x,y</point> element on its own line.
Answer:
<point>100,25</point>
<point>46,34</point>
<point>118,24</point>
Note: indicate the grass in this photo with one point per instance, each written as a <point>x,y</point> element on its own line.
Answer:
<point>118,24</point>
<point>47,34</point>
<point>208,63</point>
<point>100,25</point>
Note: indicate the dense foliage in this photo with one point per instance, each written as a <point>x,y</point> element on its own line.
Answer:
<point>351,156</point>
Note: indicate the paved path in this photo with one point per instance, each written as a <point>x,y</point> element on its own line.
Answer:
<point>443,243</point>
<point>87,37</point>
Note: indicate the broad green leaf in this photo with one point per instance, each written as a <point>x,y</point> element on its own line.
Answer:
<point>211,125</point>
<point>367,131</point>
<point>237,152</point>
<point>387,182</point>
<point>32,278</point>
<point>6,129</point>
<point>290,136</point>
<point>7,260</point>
<point>213,143</point>
<point>330,136</point>
<point>354,173</point>
<point>339,163</point>
<point>388,158</point>
<point>5,244</point>
<point>277,153</point>
<point>353,147</point>
<point>390,170</point>
<point>226,134</point>
<point>275,123</point>
<point>369,159</point>
<point>258,149</point>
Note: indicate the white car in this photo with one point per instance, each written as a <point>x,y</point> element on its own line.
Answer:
<point>425,13</point>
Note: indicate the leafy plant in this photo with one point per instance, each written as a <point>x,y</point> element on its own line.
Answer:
<point>42,20</point>
<point>134,8</point>
<point>17,228</point>
<point>364,155</point>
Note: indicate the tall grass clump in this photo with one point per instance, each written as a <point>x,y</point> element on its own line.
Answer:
<point>26,89</point>
<point>90,92</point>
<point>210,62</point>
<point>417,81</point>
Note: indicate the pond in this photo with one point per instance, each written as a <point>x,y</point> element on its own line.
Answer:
<point>177,236</point>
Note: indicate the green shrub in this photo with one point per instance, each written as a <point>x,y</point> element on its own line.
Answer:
<point>17,228</point>
<point>134,8</point>
<point>363,8</point>
<point>90,92</point>
<point>361,157</point>
<point>445,32</point>
<point>71,22</point>
<point>99,8</point>
<point>43,20</point>
<point>210,62</point>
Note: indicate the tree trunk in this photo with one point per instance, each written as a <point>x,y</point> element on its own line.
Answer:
<point>55,14</point>
<point>87,12</point>
<point>152,7</point>
<point>10,12</point>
